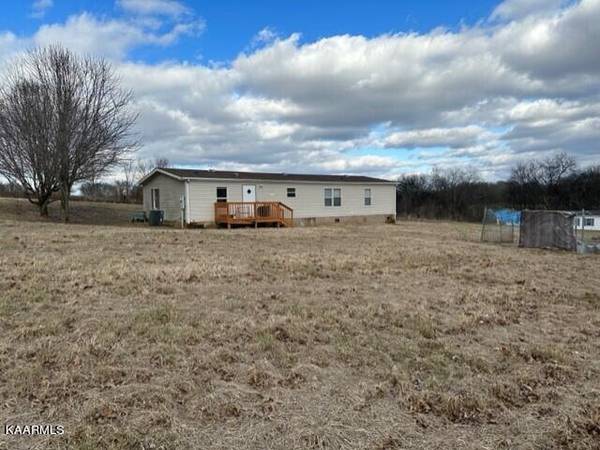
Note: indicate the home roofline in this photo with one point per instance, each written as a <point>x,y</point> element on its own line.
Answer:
<point>259,180</point>
<point>273,180</point>
<point>159,170</point>
<point>588,212</point>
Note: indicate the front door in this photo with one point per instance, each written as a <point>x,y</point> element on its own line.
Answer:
<point>248,193</point>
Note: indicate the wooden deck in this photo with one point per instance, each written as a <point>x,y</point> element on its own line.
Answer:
<point>253,213</point>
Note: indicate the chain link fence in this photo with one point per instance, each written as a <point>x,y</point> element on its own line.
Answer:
<point>500,225</point>
<point>540,229</point>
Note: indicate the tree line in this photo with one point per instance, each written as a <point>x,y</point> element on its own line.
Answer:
<point>554,182</point>
<point>64,120</point>
<point>124,187</point>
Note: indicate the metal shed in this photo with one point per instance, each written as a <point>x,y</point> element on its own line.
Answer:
<point>548,229</point>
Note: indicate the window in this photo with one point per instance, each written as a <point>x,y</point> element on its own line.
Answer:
<point>367,197</point>
<point>337,197</point>
<point>578,222</point>
<point>333,197</point>
<point>328,197</point>
<point>589,222</point>
<point>221,194</point>
<point>291,192</point>
<point>155,198</point>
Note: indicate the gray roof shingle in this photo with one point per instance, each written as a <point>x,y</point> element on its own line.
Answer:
<point>226,174</point>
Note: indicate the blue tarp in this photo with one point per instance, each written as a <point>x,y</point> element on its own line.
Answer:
<point>507,216</point>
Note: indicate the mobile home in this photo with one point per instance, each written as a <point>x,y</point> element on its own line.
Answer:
<point>211,197</point>
<point>590,220</point>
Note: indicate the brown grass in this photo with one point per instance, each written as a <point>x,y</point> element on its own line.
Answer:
<point>389,336</point>
<point>90,213</point>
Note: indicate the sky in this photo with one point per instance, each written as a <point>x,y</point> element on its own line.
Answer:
<point>379,88</point>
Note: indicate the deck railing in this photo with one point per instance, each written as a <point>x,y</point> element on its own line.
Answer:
<point>249,213</point>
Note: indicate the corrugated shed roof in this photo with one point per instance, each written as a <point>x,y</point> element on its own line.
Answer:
<point>225,174</point>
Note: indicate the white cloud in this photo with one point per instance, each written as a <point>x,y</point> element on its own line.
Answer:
<point>359,163</point>
<point>291,105</point>
<point>170,8</point>
<point>518,9</point>
<point>438,137</point>
<point>264,36</point>
<point>112,38</point>
<point>39,8</point>
<point>561,48</point>
<point>526,83</point>
<point>9,45</point>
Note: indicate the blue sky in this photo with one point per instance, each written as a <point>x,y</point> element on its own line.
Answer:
<point>381,88</point>
<point>231,25</point>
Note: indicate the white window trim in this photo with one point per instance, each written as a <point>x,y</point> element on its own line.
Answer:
<point>221,199</point>
<point>153,198</point>
<point>188,216</point>
<point>333,189</point>
<point>370,197</point>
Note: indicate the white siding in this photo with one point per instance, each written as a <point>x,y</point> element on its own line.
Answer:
<point>596,226</point>
<point>203,195</point>
<point>309,200</point>
<point>170,190</point>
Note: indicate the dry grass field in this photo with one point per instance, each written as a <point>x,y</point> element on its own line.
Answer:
<point>90,213</point>
<point>355,337</point>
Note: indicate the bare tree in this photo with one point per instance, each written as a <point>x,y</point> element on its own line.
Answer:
<point>554,168</point>
<point>27,156</point>
<point>161,163</point>
<point>145,166</point>
<point>535,183</point>
<point>526,173</point>
<point>525,185</point>
<point>89,129</point>
<point>454,184</point>
<point>129,181</point>
<point>410,191</point>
